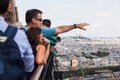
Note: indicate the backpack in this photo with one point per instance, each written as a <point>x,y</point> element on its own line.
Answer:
<point>11,64</point>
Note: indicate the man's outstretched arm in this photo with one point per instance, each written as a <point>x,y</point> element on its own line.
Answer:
<point>62,29</point>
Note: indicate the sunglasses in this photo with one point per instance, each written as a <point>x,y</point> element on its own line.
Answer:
<point>39,19</point>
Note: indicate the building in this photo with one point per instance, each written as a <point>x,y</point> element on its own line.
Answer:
<point>12,16</point>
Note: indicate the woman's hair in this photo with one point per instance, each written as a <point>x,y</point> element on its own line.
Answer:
<point>33,36</point>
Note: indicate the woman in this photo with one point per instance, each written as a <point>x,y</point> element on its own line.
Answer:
<point>39,44</point>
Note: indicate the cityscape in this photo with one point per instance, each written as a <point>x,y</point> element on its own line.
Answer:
<point>83,51</point>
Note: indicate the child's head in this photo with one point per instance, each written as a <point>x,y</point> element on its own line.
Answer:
<point>46,22</point>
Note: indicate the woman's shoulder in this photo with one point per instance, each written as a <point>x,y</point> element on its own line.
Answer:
<point>40,47</point>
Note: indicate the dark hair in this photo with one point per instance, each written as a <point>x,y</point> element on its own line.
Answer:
<point>4,6</point>
<point>47,22</point>
<point>33,36</point>
<point>32,13</point>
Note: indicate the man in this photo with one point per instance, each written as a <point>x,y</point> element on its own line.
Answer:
<point>20,39</point>
<point>34,19</point>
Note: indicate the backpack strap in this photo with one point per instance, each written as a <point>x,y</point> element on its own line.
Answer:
<point>23,29</point>
<point>11,31</point>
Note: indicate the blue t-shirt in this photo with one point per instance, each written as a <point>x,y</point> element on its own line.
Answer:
<point>48,32</point>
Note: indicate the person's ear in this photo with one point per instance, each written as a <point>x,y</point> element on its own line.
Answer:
<point>9,8</point>
<point>33,20</point>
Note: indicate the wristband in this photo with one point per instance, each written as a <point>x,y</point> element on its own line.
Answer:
<point>75,26</point>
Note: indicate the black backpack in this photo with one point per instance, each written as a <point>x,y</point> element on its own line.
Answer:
<point>11,64</point>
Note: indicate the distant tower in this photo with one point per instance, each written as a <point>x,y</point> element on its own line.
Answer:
<point>12,17</point>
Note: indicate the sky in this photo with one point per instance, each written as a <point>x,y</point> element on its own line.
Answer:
<point>102,15</point>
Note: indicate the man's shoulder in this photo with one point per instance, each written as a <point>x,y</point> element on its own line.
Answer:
<point>20,35</point>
